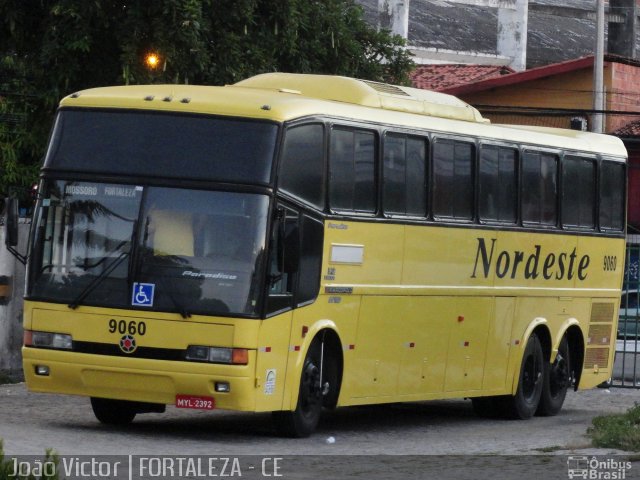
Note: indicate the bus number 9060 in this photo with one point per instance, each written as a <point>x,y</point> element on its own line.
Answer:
<point>123,327</point>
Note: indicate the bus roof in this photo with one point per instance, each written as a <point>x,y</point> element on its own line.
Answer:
<point>281,97</point>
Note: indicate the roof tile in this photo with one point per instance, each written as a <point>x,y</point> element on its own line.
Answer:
<point>439,77</point>
<point>631,129</point>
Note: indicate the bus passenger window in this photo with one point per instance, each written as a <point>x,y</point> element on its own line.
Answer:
<point>352,171</point>
<point>405,189</point>
<point>453,179</point>
<point>578,192</point>
<point>395,174</point>
<point>302,164</point>
<point>498,201</point>
<point>612,193</point>
<point>539,188</point>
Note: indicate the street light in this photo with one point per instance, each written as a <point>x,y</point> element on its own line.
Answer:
<point>152,60</point>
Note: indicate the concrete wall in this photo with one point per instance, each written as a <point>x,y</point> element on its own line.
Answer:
<point>11,310</point>
<point>624,94</point>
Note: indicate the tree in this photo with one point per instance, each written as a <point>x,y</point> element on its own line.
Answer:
<point>50,48</point>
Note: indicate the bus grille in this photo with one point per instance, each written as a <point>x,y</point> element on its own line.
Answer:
<point>596,357</point>
<point>386,88</point>
<point>602,312</point>
<point>599,335</point>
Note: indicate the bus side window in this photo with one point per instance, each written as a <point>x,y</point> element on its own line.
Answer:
<point>453,179</point>
<point>539,188</point>
<point>311,243</point>
<point>404,175</point>
<point>302,164</point>
<point>612,195</point>
<point>283,260</point>
<point>578,192</point>
<point>352,170</point>
<point>498,183</point>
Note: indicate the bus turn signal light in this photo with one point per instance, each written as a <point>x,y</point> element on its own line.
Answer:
<point>240,356</point>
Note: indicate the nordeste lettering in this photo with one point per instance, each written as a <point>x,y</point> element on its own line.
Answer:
<point>530,264</point>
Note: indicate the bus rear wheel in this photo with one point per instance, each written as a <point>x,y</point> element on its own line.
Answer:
<point>316,382</point>
<point>113,412</point>
<point>556,381</point>
<point>525,402</point>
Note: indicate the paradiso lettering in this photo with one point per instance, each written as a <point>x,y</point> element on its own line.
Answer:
<point>528,265</point>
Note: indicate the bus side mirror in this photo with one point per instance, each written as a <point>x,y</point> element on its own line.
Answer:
<point>11,225</point>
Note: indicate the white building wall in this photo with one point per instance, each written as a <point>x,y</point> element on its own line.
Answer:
<point>11,310</point>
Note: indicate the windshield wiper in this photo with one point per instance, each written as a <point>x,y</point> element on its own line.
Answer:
<point>98,279</point>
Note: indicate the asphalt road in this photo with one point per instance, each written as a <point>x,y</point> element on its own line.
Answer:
<point>440,437</point>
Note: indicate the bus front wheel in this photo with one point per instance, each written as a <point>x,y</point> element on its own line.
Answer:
<point>316,381</point>
<point>113,412</point>
<point>557,378</point>
<point>525,402</point>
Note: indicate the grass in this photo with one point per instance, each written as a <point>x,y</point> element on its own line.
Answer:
<point>7,468</point>
<point>621,431</point>
<point>6,378</point>
<point>551,449</point>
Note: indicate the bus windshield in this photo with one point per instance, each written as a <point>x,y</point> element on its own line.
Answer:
<point>164,249</point>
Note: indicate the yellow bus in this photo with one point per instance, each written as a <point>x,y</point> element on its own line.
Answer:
<point>293,243</point>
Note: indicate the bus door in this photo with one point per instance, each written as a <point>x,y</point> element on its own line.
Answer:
<point>293,283</point>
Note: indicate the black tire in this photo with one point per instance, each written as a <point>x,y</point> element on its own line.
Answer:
<point>303,421</point>
<point>113,412</point>
<point>556,381</point>
<point>525,402</point>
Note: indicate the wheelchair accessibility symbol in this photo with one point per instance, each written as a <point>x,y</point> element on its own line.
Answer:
<point>143,294</point>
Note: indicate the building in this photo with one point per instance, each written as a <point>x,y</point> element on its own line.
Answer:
<point>517,33</point>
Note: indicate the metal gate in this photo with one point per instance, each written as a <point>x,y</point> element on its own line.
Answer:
<point>626,367</point>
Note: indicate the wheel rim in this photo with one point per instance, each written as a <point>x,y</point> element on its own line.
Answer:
<point>558,376</point>
<point>531,375</point>
<point>310,391</point>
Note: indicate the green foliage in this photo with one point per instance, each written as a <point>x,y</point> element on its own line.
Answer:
<point>50,48</point>
<point>620,431</point>
<point>7,467</point>
<point>6,378</point>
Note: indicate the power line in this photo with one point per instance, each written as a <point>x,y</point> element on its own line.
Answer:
<point>550,111</point>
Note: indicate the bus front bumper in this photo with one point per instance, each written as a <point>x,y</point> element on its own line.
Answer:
<point>137,379</point>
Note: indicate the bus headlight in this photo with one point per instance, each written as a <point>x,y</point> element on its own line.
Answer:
<point>58,341</point>
<point>235,356</point>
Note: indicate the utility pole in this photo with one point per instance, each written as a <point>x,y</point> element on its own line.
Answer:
<point>394,16</point>
<point>598,70</point>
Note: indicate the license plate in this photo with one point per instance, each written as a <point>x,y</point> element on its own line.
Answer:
<point>198,403</point>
